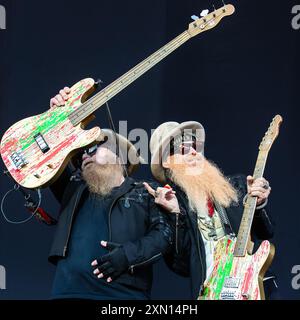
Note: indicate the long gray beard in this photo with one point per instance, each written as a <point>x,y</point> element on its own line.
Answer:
<point>101,179</point>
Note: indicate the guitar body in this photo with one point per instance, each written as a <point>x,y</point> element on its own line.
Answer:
<point>36,150</point>
<point>237,278</point>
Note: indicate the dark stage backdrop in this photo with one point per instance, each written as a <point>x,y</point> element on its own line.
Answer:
<point>233,79</point>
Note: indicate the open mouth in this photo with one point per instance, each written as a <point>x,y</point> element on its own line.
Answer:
<point>87,163</point>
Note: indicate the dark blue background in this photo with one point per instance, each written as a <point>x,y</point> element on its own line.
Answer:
<point>233,79</point>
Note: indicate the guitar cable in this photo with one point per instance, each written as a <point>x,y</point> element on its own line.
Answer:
<point>112,126</point>
<point>35,209</point>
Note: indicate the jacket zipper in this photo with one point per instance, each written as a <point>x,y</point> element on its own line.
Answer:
<point>109,214</point>
<point>141,263</point>
<point>176,233</point>
<point>66,244</point>
<point>110,211</point>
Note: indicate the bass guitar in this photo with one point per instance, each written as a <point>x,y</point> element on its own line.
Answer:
<point>37,149</point>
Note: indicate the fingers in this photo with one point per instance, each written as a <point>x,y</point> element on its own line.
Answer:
<point>104,271</point>
<point>101,260</point>
<point>102,268</point>
<point>54,103</point>
<point>149,189</point>
<point>164,193</point>
<point>61,98</point>
<point>255,184</point>
<point>250,178</point>
<point>258,188</point>
<point>110,245</point>
<point>94,263</point>
<point>259,194</point>
<point>57,101</point>
<point>67,90</point>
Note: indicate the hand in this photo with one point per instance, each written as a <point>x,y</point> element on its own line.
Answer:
<point>61,98</point>
<point>259,188</point>
<point>111,265</point>
<point>164,197</point>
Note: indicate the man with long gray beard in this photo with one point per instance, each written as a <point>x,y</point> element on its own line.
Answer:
<point>207,204</point>
<point>110,231</point>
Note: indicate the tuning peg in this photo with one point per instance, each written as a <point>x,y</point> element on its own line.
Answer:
<point>194,17</point>
<point>204,13</point>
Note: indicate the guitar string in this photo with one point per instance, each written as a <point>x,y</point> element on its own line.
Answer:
<point>117,82</point>
<point>130,76</point>
<point>34,148</point>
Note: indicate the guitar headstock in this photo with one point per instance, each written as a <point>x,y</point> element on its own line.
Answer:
<point>210,20</point>
<point>271,134</point>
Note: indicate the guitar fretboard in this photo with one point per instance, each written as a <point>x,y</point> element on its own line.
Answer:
<point>90,106</point>
<point>249,210</point>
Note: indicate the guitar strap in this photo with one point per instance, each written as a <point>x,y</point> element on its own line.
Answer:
<point>224,219</point>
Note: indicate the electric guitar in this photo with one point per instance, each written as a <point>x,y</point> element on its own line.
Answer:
<point>37,149</point>
<point>237,274</point>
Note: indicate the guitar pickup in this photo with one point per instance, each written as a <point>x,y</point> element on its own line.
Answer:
<point>41,142</point>
<point>231,282</point>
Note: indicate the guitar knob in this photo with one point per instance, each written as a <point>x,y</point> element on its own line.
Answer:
<point>246,296</point>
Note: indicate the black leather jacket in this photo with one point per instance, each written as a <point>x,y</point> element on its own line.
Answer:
<point>187,257</point>
<point>134,221</point>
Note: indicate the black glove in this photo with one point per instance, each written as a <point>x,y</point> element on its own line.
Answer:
<point>113,264</point>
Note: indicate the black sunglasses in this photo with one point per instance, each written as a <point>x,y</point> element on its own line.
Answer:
<point>92,150</point>
<point>183,146</point>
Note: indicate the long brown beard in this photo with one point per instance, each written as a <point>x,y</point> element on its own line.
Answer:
<point>101,179</point>
<point>208,182</point>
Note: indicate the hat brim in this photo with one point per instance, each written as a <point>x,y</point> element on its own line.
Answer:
<point>129,154</point>
<point>156,161</point>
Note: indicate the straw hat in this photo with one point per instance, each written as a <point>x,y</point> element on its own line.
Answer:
<point>161,138</point>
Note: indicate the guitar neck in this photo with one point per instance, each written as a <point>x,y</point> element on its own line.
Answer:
<point>249,209</point>
<point>91,105</point>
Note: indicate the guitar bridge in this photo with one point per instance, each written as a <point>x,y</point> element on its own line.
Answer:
<point>18,159</point>
<point>228,294</point>
<point>39,139</point>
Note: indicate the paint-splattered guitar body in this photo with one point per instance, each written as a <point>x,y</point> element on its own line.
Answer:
<point>36,150</point>
<point>237,278</point>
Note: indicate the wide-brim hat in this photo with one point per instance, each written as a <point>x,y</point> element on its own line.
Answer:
<point>126,151</point>
<point>161,138</point>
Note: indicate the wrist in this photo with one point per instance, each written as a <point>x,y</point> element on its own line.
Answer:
<point>258,207</point>
<point>175,210</point>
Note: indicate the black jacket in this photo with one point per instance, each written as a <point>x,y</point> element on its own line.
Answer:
<point>134,221</point>
<point>188,257</point>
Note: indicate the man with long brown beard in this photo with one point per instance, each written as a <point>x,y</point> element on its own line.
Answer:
<point>110,231</point>
<point>210,204</point>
